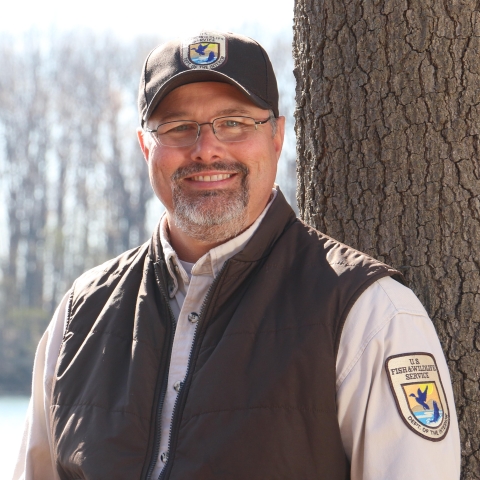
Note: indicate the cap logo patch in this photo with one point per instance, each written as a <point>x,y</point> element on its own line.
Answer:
<point>419,395</point>
<point>205,51</point>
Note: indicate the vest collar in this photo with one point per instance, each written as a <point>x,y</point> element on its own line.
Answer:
<point>212,262</point>
<point>279,218</point>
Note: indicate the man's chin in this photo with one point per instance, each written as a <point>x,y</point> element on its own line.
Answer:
<point>213,216</point>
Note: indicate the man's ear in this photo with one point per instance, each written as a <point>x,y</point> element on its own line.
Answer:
<point>144,142</point>
<point>279,136</point>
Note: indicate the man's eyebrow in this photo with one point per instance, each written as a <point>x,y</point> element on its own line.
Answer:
<point>177,115</point>
<point>182,115</point>
<point>234,111</point>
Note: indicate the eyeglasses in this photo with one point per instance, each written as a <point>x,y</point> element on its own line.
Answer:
<point>184,133</point>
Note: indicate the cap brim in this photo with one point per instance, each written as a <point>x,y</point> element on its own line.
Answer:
<point>193,76</point>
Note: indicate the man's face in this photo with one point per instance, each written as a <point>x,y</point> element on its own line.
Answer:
<point>212,190</point>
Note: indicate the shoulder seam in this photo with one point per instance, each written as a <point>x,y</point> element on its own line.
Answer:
<point>399,310</point>
<point>374,333</point>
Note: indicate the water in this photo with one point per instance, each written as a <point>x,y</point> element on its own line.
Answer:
<point>426,418</point>
<point>12,416</point>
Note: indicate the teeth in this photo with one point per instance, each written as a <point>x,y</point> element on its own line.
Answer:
<point>212,178</point>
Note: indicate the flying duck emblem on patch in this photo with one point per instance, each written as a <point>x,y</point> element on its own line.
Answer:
<point>419,395</point>
<point>205,51</point>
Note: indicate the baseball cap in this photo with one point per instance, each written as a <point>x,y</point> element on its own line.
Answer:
<point>206,57</point>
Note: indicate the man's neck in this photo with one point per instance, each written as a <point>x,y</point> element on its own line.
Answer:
<point>187,248</point>
<point>190,249</point>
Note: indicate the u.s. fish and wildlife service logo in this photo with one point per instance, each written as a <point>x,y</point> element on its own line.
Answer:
<point>424,403</point>
<point>419,395</point>
<point>205,51</point>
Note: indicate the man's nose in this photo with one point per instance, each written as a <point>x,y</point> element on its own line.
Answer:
<point>207,147</point>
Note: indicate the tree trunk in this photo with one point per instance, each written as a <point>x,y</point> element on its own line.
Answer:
<point>387,123</point>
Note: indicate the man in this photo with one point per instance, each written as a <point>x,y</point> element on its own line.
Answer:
<point>238,343</point>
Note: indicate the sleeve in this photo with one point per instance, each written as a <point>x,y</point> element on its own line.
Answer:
<point>35,461</point>
<point>388,322</point>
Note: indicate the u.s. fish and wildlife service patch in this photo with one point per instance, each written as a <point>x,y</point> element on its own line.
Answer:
<point>419,394</point>
<point>206,51</point>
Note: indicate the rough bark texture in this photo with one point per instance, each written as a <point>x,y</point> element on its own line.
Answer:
<point>388,123</point>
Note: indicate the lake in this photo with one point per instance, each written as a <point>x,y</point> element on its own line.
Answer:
<point>12,416</point>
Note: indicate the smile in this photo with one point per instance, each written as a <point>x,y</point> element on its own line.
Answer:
<point>212,178</point>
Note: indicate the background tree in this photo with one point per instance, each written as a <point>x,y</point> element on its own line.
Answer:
<point>388,123</point>
<point>74,188</point>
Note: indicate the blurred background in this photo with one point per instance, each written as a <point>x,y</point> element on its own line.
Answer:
<point>74,188</point>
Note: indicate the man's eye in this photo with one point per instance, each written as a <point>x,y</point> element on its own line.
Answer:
<point>231,123</point>
<point>183,127</point>
<point>173,128</point>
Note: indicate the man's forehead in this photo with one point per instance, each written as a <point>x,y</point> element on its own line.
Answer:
<point>220,99</point>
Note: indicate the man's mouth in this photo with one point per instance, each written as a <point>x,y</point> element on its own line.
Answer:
<point>215,172</point>
<point>212,178</point>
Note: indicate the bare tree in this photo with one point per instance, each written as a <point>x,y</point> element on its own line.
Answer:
<point>26,144</point>
<point>24,114</point>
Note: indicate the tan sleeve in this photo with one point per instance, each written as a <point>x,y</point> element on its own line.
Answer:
<point>35,461</point>
<point>389,320</point>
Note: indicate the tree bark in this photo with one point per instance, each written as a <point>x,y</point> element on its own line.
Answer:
<point>387,123</point>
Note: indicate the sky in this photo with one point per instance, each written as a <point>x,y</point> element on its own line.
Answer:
<point>165,18</point>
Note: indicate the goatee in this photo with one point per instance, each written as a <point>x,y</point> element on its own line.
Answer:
<point>212,216</point>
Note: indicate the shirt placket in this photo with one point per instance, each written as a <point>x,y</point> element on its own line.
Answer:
<point>182,345</point>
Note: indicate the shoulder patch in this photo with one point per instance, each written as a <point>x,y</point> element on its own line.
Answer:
<point>419,395</point>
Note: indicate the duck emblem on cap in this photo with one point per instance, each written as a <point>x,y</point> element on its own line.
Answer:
<point>205,51</point>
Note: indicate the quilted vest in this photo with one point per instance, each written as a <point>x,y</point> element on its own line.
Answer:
<point>258,401</point>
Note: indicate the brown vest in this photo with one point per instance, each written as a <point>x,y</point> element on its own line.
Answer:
<point>258,401</point>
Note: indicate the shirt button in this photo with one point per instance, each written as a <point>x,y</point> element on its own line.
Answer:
<point>193,317</point>
<point>164,457</point>
<point>177,386</point>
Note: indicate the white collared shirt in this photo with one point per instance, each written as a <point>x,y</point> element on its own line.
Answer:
<point>386,320</point>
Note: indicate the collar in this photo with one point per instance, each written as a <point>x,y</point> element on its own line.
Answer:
<point>212,262</point>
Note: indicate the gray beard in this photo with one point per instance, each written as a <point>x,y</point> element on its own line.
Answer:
<point>213,216</point>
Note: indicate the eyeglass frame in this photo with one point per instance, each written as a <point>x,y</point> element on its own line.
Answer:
<point>154,131</point>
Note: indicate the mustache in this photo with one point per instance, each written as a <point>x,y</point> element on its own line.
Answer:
<point>234,167</point>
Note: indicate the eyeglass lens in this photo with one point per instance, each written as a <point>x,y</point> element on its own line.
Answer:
<point>184,133</point>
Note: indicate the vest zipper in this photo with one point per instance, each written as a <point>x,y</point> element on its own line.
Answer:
<point>172,434</point>
<point>163,390</point>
